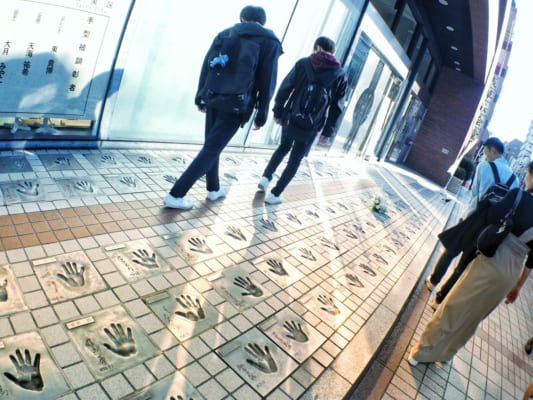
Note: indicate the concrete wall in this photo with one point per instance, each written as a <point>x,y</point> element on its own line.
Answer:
<point>454,102</point>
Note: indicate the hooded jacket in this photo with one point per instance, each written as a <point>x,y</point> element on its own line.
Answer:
<point>266,72</point>
<point>325,67</point>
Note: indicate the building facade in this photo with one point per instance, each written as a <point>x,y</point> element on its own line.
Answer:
<point>107,73</point>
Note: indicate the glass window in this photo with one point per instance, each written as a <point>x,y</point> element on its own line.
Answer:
<point>161,63</point>
<point>424,65</point>
<point>406,27</point>
<point>370,104</point>
<point>337,21</point>
<point>387,9</point>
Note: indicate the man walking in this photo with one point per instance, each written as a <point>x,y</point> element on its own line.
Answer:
<point>484,178</point>
<point>310,98</point>
<point>238,74</point>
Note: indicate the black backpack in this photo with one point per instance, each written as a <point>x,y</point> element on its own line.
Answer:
<point>497,191</point>
<point>230,80</point>
<point>310,103</point>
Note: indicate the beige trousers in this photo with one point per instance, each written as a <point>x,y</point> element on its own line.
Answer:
<point>481,288</point>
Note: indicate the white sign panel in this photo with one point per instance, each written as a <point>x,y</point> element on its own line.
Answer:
<point>56,55</point>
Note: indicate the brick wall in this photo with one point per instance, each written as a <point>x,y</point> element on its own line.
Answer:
<point>448,118</point>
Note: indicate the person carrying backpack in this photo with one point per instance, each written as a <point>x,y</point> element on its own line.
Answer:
<point>309,100</point>
<point>492,179</point>
<point>238,75</point>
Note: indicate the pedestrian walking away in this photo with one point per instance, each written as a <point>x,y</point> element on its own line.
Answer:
<point>493,170</point>
<point>238,75</point>
<point>486,281</point>
<point>309,100</point>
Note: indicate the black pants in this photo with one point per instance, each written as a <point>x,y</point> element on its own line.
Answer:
<point>298,151</point>
<point>219,129</point>
<point>467,256</point>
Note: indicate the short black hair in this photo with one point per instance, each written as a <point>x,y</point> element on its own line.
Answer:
<point>254,14</point>
<point>326,44</point>
<point>496,144</point>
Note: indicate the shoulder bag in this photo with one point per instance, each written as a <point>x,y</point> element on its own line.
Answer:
<point>492,235</point>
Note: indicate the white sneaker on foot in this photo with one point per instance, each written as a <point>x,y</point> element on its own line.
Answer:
<point>431,287</point>
<point>411,360</point>
<point>272,199</point>
<point>222,192</point>
<point>263,184</point>
<point>178,202</point>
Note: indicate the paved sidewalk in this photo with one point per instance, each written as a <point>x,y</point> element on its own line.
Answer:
<point>109,295</point>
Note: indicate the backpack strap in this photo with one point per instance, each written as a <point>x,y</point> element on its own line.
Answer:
<point>495,172</point>
<point>517,199</point>
<point>510,180</point>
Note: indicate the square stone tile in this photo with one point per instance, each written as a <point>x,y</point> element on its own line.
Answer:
<point>44,316</point>
<point>22,322</point>
<point>117,386</point>
<point>78,375</point>
<point>66,354</point>
<point>139,376</point>
<point>160,367</point>
<point>92,392</point>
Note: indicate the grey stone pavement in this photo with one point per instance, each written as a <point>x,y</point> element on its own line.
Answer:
<point>106,294</point>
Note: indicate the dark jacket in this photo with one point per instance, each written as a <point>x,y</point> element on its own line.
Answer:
<point>326,67</point>
<point>267,69</point>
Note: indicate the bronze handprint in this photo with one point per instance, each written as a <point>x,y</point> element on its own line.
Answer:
<point>28,374</point>
<point>72,274</point>
<point>123,343</point>
<point>296,332</point>
<point>250,288</point>
<point>235,233</point>
<point>199,245</point>
<point>145,259</point>
<point>329,305</point>
<point>193,310</point>
<point>276,267</point>
<point>353,280</point>
<point>262,359</point>
<point>307,254</point>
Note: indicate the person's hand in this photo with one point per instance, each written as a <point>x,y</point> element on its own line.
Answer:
<point>512,295</point>
<point>278,121</point>
<point>201,108</point>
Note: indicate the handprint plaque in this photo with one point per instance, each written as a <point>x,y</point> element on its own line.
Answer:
<point>28,371</point>
<point>293,334</point>
<point>193,246</point>
<point>278,269</point>
<point>240,288</point>
<point>183,310</point>
<point>258,360</point>
<point>67,276</point>
<point>110,341</point>
<point>137,260</point>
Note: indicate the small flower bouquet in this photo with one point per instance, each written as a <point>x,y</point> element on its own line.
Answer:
<point>379,205</point>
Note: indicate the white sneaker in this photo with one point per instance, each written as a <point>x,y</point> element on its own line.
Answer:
<point>431,287</point>
<point>272,199</point>
<point>178,202</point>
<point>411,360</point>
<point>222,192</point>
<point>263,184</point>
